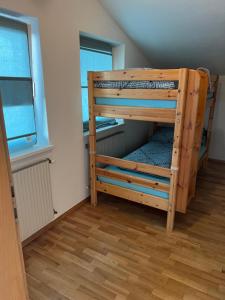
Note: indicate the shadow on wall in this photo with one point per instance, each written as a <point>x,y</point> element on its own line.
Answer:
<point>217,146</point>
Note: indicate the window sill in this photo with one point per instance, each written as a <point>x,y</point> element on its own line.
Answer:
<point>30,156</point>
<point>103,132</point>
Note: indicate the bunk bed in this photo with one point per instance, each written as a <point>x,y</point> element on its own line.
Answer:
<point>175,98</point>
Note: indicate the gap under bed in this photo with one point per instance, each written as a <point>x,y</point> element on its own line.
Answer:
<point>157,152</point>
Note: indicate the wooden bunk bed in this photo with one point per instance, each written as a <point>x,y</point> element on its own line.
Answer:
<point>175,96</point>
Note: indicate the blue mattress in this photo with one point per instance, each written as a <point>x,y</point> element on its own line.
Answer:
<point>136,187</point>
<point>154,153</point>
<point>169,104</point>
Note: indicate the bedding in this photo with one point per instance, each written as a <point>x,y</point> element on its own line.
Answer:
<point>154,153</point>
<point>136,84</point>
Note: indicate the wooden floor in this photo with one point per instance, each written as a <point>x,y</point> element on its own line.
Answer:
<point>120,251</point>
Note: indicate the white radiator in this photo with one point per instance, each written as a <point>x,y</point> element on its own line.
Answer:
<point>33,195</point>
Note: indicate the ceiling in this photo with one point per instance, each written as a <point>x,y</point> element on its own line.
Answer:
<point>175,33</point>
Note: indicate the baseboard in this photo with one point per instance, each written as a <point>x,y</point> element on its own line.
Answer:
<point>219,161</point>
<point>50,225</point>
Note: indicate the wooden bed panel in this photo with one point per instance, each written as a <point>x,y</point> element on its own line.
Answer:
<point>144,94</point>
<point>131,195</point>
<point>138,74</point>
<point>131,165</point>
<point>136,113</point>
<point>154,184</point>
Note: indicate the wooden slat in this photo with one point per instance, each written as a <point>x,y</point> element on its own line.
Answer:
<point>131,195</point>
<point>133,179</point>
<point>135,113</point>
<point>145,94</point>
<point>131,165</point>
<point>138,74</point>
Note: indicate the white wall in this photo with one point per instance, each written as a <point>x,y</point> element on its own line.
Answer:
<point>60,24</point>
<point>217,147</point>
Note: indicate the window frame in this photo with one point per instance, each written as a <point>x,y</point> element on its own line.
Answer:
<point>118,122</point>
<point>38,91</point>
<point>28,79</point>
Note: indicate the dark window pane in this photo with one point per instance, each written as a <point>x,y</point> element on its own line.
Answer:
<point>18,107</point>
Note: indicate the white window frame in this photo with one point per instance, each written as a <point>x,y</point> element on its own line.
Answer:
<point>35,57</point>
<point>118,62</point>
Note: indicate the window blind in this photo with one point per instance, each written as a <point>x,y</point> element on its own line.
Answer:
<point>16,85</point>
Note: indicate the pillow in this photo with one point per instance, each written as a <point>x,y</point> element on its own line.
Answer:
<point>163,135</point>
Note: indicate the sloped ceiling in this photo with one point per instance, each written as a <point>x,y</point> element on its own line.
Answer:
<point>175,33</point>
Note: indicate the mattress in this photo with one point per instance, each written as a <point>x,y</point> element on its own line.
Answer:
<point>154,153</point>
<point>168,104</point>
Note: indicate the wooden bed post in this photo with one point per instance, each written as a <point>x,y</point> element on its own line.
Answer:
<point>178,128</point>
<point>92,138</point>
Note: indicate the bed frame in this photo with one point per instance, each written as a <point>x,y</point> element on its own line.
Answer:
<point>214,82</point>
<point>188,122</point>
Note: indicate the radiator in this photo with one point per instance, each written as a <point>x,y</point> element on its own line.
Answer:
<point>33,198</point>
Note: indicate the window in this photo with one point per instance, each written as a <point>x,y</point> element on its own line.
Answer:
<point>16,86</point>
<point>94,56</point>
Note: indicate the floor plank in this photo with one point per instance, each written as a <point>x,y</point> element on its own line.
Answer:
<point>120,250</point>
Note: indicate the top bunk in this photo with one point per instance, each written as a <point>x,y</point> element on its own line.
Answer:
<point>138,94</point>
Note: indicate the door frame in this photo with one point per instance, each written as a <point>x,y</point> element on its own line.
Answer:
<point>12,272</point>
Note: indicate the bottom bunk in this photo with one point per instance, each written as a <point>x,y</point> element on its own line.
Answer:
<point>157,152</point>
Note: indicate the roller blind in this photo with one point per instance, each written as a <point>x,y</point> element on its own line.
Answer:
<point>16,86</point>
<point>14,55</point>
<point>95,55</point>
